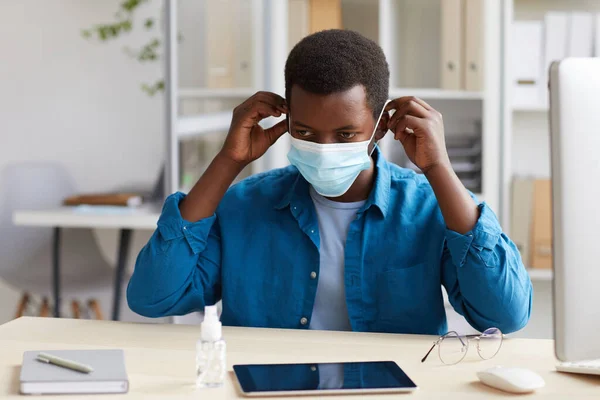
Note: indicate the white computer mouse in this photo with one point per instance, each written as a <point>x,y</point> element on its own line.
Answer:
<point>512,380</point>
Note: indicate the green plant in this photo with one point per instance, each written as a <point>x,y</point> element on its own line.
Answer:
<point>123,24</point>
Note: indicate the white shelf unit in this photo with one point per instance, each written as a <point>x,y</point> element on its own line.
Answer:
<point>409,32</point>
<point>526,142</point>
<point>268,51</point>
<point>525,132</point>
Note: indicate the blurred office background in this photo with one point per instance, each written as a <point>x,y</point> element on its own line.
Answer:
<point>107,95</point>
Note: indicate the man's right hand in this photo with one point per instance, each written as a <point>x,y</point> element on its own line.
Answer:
<point>247,140</point>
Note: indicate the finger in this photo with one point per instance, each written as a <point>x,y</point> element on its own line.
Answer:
<point>281,109</point>
<point>391,105</point>
<point>272,98</point>
<point>405,99</point>
<point>408,108</point>
<point>265,97</point>
<point>257,111</point>
<point>411,123</point>
<point>401,136</point>
<point>265,110</point>
<point>276,131</point>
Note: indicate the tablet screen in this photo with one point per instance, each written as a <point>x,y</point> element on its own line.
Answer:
<point>317,377</point>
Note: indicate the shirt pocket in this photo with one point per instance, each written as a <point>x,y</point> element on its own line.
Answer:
<point>401,298</point>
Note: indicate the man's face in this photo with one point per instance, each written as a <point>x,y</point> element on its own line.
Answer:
<point>342,117</point>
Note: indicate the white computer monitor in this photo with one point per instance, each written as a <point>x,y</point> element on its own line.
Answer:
<point>575,154</point>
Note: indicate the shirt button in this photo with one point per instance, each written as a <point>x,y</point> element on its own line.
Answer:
<point>312,231</point>
<point>303,321</point>
<point>313,368</point>
<point>295,208</point>
<point>313,275</point>
<point>185,228</point>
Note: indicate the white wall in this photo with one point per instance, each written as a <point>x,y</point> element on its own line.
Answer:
<point>77,102</point>
<point>73,101</point>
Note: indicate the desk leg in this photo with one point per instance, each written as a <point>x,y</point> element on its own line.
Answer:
<point>56,271</point>
<point>124,240</point>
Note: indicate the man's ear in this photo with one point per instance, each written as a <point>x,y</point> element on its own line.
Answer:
<point>382,126</point>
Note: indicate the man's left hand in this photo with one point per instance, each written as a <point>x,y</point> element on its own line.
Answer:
<point>420,129</point>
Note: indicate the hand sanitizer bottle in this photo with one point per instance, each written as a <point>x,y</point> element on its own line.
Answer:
<point>210,351</point>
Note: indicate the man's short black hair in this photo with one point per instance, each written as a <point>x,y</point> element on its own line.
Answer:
<point>336,60</point>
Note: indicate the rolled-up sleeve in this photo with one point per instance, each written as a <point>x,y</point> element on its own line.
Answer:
<point>178,271</point>
<point>484,276</point>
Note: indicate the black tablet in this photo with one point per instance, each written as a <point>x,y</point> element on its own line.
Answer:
<point>321,379</point>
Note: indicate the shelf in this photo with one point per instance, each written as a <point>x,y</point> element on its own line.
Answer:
<point>211,93</point>
<point>536,108</point>
<point>435,94</point>
<point>198,125</point>
<point>543,275</point>
<point>243,93</point>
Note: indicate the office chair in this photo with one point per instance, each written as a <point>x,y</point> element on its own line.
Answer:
<point>25,252</point>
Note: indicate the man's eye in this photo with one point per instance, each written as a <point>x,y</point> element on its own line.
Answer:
<point>347,135</point>
<point>304,133</point>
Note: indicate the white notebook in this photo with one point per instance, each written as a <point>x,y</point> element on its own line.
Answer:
<point>109,375</point>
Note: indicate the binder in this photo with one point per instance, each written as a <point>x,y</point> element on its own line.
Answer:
<point>473,59</point>
<point>597,34</point>
<point>581,33</point>
<point>325,14</point>
<point>525,63</point>
<point>298,21</point>
<point>555,45</point>
<point>521,216</point>
<point>452,44</point>
<point>541,239</point>
<point>220,44</point>
<point>243,51</point>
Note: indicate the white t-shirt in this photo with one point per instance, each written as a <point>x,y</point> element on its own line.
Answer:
<point>330,311</point>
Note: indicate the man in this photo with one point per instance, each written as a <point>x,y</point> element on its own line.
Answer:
<point>342,239</point>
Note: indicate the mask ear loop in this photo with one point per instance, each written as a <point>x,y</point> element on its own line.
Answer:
<point>376,126</point>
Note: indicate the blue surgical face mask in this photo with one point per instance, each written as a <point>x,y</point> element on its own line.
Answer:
<point>331,169</point>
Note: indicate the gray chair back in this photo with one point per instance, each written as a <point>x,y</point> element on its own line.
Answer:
<point>28,186</point>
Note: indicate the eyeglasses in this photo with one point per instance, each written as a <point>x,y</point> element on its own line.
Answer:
<point>452,347</point>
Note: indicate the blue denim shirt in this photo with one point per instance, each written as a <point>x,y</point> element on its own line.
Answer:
<point>258,251</point>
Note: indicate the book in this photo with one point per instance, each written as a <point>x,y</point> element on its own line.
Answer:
<point>521,216</point>
<point>597,36</point>
<point>452,44</point>
<point>298,21</point>
<point>109,199</point>
<point>109,374</point>
<point>220,44</point>
<point>325,14</point>
<point>526,66</point>
<point>581,35</point>
<point>473,54</point>
<point>541,239</point>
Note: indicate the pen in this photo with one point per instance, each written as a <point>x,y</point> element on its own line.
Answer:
<point>61,362</point>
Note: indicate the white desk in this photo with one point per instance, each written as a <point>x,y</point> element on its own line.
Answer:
<point>144,217</point>
<point>160,358</point>
<point>122,218</point>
